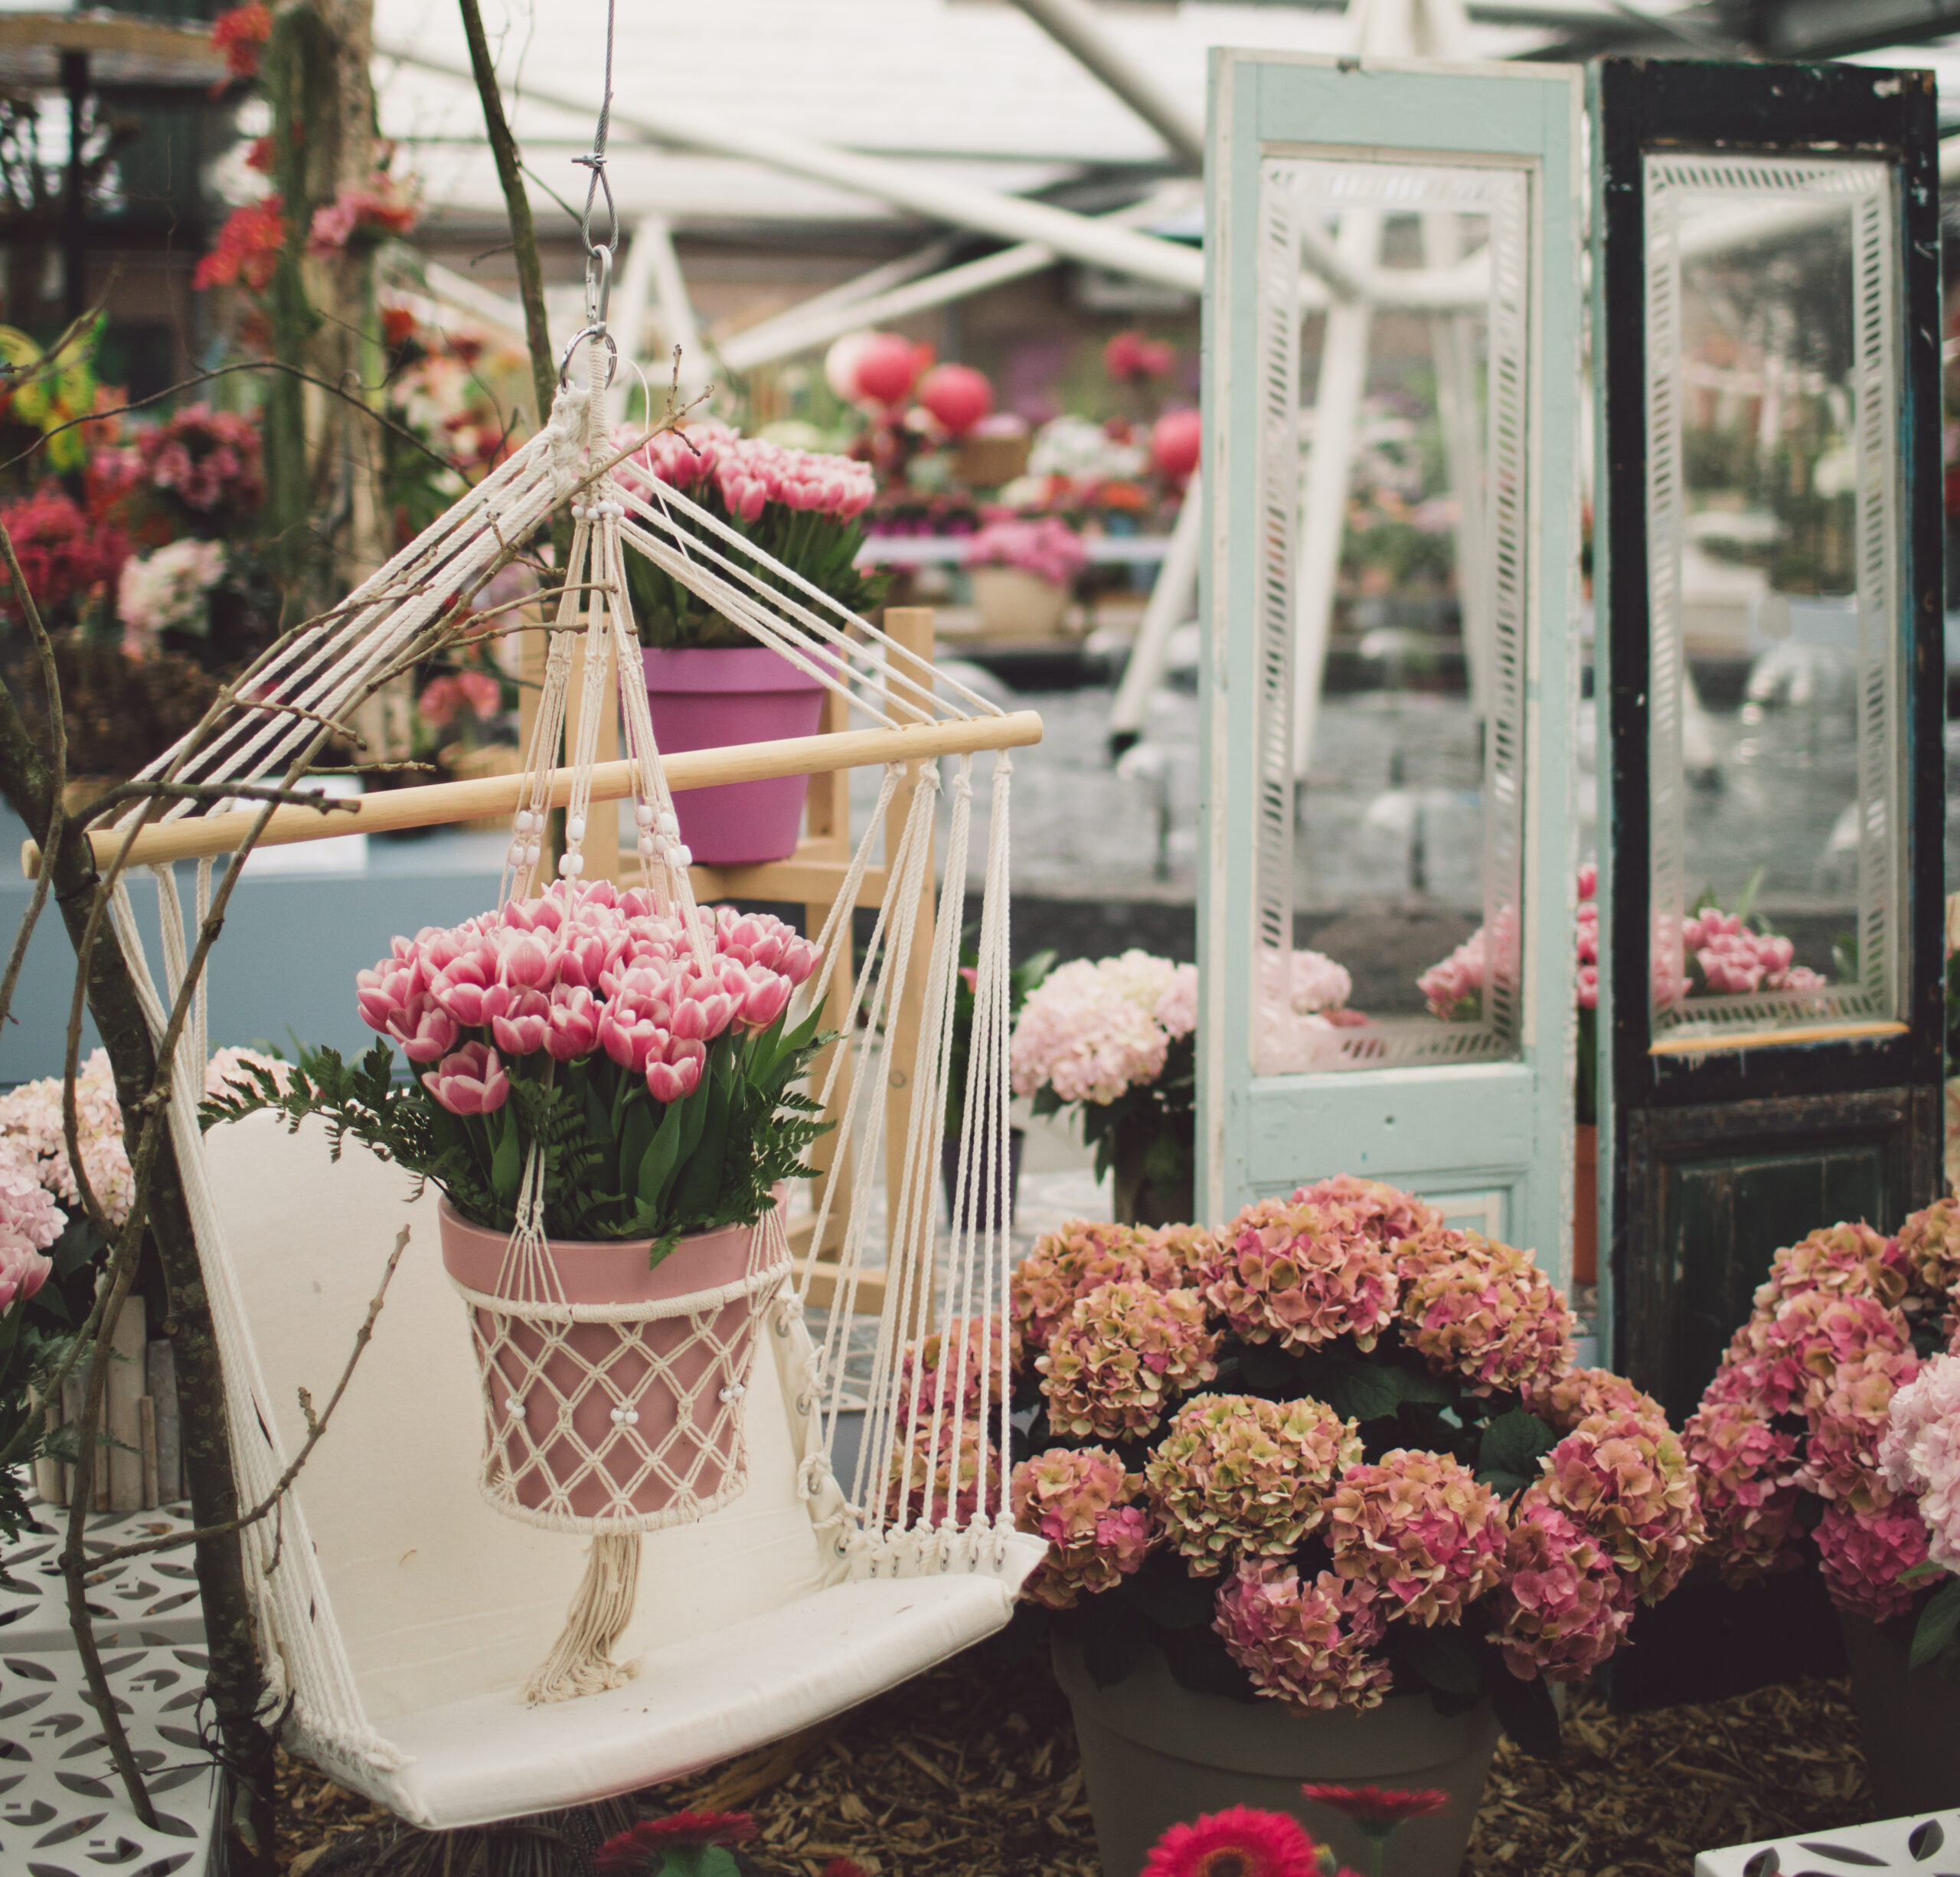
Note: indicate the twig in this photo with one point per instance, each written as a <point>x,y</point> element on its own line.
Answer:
<point>316,1428</point>
<point>220,792</point>
<point>57,806</point>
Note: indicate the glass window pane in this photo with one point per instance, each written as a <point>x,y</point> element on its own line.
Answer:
<point>1392,452</point>
<point>1776,843</point>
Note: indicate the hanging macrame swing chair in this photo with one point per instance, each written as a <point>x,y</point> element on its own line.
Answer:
<point>412,1603</point>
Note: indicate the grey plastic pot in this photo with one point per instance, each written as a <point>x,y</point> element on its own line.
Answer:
<point>1154,1754</point>
<point>1909,1720</point>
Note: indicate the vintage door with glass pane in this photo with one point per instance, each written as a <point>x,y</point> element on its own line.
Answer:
<point>1771,668</point>
<point>1388,885</point>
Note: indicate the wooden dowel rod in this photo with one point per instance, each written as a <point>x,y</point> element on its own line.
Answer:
<point>200,837</point>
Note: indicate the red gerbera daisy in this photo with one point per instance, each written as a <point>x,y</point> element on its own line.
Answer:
<point>1240,1843</point>
<point>639,1849</point>
<point>1379,1806</point>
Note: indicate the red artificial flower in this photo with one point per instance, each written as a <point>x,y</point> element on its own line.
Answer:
<point>239,34</point>
<point>248,247</point>
<point>1239,1843</point>
<point>636,1850</point>
<point>397,326</point>
<point>1382,1807</point>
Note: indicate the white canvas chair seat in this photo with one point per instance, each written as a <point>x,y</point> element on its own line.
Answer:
<point>746,1626</point>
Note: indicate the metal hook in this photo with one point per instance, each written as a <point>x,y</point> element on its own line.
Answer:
<point>597,331</point>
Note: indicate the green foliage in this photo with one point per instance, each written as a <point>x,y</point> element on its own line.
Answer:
<point>820,547</point>
<point>1936,1637</point>
<point>1508,1456</point>
<point>617,1163</point>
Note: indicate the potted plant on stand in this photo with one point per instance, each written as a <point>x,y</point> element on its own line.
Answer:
<point>607,1102</point>
<point>1326,1498</point>
<point>709,683</point>
<point>1024,574</point>
<point>1022,979</point>
<point>1115,1040</point>
<point>1798,1471</point>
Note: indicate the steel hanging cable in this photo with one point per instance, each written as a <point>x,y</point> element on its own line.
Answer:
<point>599,256</point>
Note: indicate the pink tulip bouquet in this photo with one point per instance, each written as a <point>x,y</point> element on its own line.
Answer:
<point>1816,1441</point>
<point>801,507</point>
<point>658,1089</point>
<point>1331,1451</point>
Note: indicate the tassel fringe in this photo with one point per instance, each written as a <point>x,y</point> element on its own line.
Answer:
<point>580,1661</point>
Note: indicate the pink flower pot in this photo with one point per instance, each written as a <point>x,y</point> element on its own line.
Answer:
<point>704,699</point>
<point>554,1449</point>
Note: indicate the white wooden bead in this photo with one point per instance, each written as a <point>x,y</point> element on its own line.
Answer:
<point>670,825</point>
<point>643,813</point>
<point>531,852</point>
<point>684,856</point>
<point>575,828</point>
<point>648,846</point>
<point>571,865</point>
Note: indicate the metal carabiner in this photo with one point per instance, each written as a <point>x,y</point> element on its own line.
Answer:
<point>598,285</point>
<point>611,353</point>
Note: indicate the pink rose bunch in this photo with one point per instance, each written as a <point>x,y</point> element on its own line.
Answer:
<point>1048,548</point>
<point>584,967</point>
<point>1091,1031</point>
<point>1080,1499</point>
<point>749,473</point>
<point>442,698</point>
<point>1302,1273</point>
<point>1309,1645</point>
<point>209,460</point>
<point>1418,1529</point>
<point>1489,1313</point>
<point>1121,1352</point>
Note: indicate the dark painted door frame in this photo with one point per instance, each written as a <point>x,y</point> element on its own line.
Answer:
<point>1669,1111</point>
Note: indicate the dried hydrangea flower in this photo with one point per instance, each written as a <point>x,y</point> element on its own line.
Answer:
<point>1745,1472</point>
<point>1385,1213</point>
<point>1419,1529</point>
<point>1173,1255</point>
<point>1302,1273</point>
<point>1564,1400</point>
<point>961,1361</point>
<point>1122,1351</point>
<point>1078,1499</point>
<point>928,1486</point>
<point>1864,1554</point>
<point>1563,1606</point>
<point>1062,1267</point>
<point>1305,1645</point>
<point>1237,1476</point>
<point>1851,1259</point>
<point>1929,1243</point>
<point>1627,1481</point>
<point>1489,1314</point>
<point>1841,1458</point>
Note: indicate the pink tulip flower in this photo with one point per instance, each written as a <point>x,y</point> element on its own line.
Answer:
<point>425,1031</point>
<point>628,1035</point>
<point>764,996</point>
<point>525,961</point>
<point>520,1020</point>
<point>383,994</point>
<point>472,1082</point>
<point>460,987</point>
<point>674,1081</point>
<point>574,1023</point>
<point>702,1011</point>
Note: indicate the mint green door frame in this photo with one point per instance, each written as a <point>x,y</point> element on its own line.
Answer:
<point>1492,1140</point>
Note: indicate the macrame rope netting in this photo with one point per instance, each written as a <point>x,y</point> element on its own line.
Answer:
<point>909,1507</point>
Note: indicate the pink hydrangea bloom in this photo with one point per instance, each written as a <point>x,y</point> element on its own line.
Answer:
<point>1491,1314</point>
<point>1173,1255</point>
<point>1305,1645</point>
<point>1562,1606</point>
<point>959,1363</point>
<point>1078,1499</point>
<point>1302,1273</point>
<point>1850,1261</point>
<point>1092,1030</point>
<point>1384,1213</point>
<point>1237,1476</point>
<point>1865,1553</point>
<point>1064,1266</point>
<point>1316,982</point>
<point>1746,1477</point>
<point>1418,1529</point>
<point>1919,1453</point>
<point>30,1124</point>
<point>1627,1482</point>
<point>1122,1351</point>
<point>1572,1395</point>
<point>947,1480</point>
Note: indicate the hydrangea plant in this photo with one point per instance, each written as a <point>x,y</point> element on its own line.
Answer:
<point>1333,1451</point>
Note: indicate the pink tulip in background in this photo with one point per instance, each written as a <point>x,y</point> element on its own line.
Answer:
<point>957,396</point>
<point>1174,441</point>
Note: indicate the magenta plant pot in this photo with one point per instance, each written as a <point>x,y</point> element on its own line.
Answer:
<point>707,698</point>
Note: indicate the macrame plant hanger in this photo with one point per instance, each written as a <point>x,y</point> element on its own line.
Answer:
<point>926,1499</point>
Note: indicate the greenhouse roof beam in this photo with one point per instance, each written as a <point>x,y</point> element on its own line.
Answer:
<point>1078,28</point>
<point>1096,242</point>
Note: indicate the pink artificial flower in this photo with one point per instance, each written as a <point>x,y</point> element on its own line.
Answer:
<point>426,1032</point>
<point>677,1078</point>
<point>525,961</point>
<point>628,1035</point>
<point>382,995</point>
<point>460,985</point>
<point>472,1082</point>
<point>520,1020</point>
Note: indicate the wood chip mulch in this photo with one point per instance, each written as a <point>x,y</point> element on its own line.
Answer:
<point>971,1771</point>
